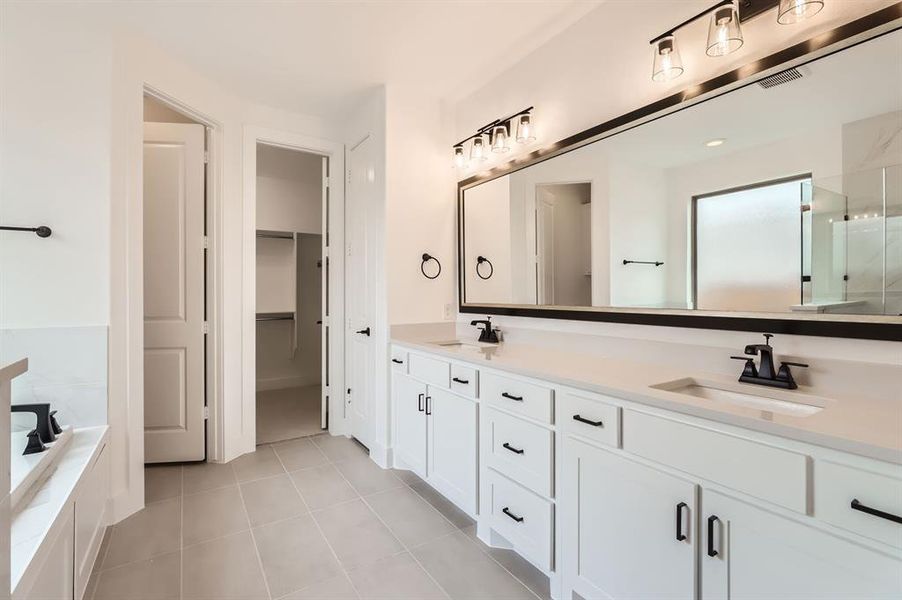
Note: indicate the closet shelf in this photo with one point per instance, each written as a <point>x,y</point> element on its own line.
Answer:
<point>275,316</point>
<point>279,235</point>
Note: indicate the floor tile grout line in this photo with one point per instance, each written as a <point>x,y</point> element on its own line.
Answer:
<point>320,531</point>
<point>247,515</point>
<point>393,534</point>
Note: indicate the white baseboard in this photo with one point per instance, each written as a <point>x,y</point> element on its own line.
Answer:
<point>281,383</point>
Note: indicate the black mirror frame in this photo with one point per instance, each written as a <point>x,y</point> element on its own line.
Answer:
<point>871,327</point>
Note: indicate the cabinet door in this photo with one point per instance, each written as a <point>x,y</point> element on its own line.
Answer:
<point>627,528</point>
<point>54,580</point>
<point>761,555</point>
<point>453,462</point>
<point>409,400</point>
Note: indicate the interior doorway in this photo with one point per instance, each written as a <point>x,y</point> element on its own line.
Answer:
<point>291,349</point>
<point>175,314</point>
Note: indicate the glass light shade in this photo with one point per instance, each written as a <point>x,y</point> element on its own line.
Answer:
<point>460,159</point>
<point>724,34</point>
<point>525,129</point>
<point>667,63</point>
<point>793,11</point>
<point>478,150</point>
<point>500,141</point>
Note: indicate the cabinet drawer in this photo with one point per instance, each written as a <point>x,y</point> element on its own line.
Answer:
<point>520,450</point>
<point>464,380</point>
<point>767,472</point>
<point>589,418</point>
<point>523,518</point>
<point>523,397</point>
<point>399,359</point>
<point>836,486</point>
<point>430,370</point>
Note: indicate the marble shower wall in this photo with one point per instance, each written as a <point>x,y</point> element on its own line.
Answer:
<point>872,182</point>
<point>67,367</point>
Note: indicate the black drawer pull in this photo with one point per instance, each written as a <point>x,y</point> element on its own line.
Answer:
<point>428,405</point>
<point>711,551</point>
<point>507,511</point>
<point>512,449</point>
<point>397,362</point>
<point>588,422</point>
<point>856,505</point>
<point>680,536</point>
<point>459,380</point>
<point>420,402</point>
<point>511,397</point>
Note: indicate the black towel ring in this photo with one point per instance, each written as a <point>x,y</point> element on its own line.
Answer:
<point>427,258</point>
<point>479,261</point>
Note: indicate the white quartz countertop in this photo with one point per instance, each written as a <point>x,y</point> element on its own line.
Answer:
<point>863,425</point>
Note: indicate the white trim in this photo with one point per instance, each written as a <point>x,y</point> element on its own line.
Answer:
<point>246,432</point>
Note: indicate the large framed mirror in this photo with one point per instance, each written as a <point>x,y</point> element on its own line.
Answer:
<point>769,199</point>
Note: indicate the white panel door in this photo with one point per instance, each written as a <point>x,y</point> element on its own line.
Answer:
<point>453,461</point>
<point>753,554</point>
<point>358,287</point>
<point>409,404</point>
<point>628,528</point>
<point>173,292</point>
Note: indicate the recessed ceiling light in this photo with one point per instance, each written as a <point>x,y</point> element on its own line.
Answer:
<point>714,143</point>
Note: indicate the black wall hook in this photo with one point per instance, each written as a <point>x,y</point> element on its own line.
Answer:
<point>42,231</point>
<point>426,258</point>
<point>479,261</point>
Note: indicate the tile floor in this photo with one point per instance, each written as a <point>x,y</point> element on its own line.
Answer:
<point>309,518</point>
<point>288,413</point>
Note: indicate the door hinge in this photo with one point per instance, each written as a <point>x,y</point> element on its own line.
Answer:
<point>206,242</point>
<point>206,157</point>
<point>349,175</point>
<point>326,181</point>
<point>206,413</point>
<point>206,327</point>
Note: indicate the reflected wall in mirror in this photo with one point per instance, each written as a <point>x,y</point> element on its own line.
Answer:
<point>782,196</point>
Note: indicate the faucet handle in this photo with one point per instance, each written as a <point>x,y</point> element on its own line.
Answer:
<point>793,364</point>
<point>749,370</point>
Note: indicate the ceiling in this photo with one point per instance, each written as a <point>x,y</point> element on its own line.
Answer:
<point>320,58</point>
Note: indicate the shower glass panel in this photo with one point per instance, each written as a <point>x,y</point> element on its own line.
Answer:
<point>823,245</point>
<point>893,240</point>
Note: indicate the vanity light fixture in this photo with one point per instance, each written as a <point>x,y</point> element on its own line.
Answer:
<point>525,131</point>
<point>724,33</point>
<point>460,159</point>
<point>497,136</point>
<point>477,149</point>
<point>724,30</point>
<point>793,11</point>
<point>668,64</point>
<point>500,141</point>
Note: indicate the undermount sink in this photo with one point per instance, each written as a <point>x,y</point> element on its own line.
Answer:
<point>773,400</point>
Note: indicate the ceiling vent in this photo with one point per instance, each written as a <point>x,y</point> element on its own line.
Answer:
<point>781,78</point>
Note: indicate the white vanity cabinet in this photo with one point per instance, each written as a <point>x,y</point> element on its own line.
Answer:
<point>617,499</point>
<point>753,553</point>
<point>435,429</point>
<point>53,579</point>
<point>628,528</point>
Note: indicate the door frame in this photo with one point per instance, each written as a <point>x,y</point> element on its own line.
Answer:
<point>335,151</point>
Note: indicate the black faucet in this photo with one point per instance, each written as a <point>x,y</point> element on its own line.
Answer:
<point>764,373</point>
<point>46,427</point>
<point>487,333</point>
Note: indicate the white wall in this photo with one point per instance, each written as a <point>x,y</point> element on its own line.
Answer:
<point>289,190</point>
